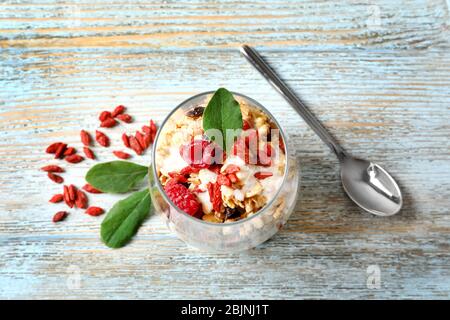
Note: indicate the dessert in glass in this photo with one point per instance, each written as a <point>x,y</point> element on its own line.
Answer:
<point>223,194</point>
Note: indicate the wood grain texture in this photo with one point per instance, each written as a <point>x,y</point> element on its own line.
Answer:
<point>381,87</point>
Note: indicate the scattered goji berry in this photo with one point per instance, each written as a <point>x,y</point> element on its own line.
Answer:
<point>75,158</point>
<point>147,129</point>
<point>81,200</point>
<point>52,168</point>
<point>147,140</point>
<point>87,187</point>
<point>66,197</point>
<point>88,153</point>
<point>56,198</point>
<point>60,151</point>
<point>134,144</point>
<point>125,140</point>
<point>101,138</point>
<point>125,118</point>
<point>108,123</point>
<point>104,115</point>
<point>85,138</point>
<point>153,130</point>
<point>72,193</point>
<point>55,177</point>
<point>69,151</point>
<point>60,216</point>
<point>118,110</point>
<point>94,211</point>
<point>263,175</point>
<point>121,154</point>
<point>140,138</point>
<point>53,147</point>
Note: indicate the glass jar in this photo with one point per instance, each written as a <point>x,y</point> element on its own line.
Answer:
<point>234,236</point>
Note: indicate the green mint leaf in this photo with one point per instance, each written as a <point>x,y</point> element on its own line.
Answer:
<point>222,113</point>
<point>116,176</point>
<point>124,219</point>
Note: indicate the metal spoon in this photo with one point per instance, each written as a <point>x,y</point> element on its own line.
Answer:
<point>366,183</point>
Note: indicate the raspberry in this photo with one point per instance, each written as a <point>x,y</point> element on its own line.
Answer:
<point>183,198</point>
<point>197,153</point>
<point>223,180</point>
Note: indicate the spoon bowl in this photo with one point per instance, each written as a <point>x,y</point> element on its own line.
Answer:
<point>371,187</point>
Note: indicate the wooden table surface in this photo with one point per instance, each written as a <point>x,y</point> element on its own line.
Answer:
<point>376,73</point>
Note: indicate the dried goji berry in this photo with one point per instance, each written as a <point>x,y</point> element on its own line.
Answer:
<point>56,198</point>
<point>69,151</point>
<point>66,197</point>
<point>72,193</point>
<point>94,211</point>
<point>88,153</point>
<point>232,168</point>
<point>109,123</point>
<point>263,175</point>
<point>215,196</point>
<point>81,200</point>
<point>60,216</point>
<point>147,129</point>
<point>53,147</point>
<point>104,115</point>
<point>52,168</point>
<point>125,118</point>
<point>140,138</point>
<point>147,140</point>
<point>85,138</point>
<point>60,151</point>
<point>118,110</point>
<point>121,154</point>
<point>55,177</point>
<point>134,144</point>
<point>101,138</point>
<point>87,187</point>
<point>153,130</point>
<point>125,140</point>
<point>75,158</point>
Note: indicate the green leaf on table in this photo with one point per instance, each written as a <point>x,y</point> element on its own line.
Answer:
<point>116,176</point>
<point>222,113</point>
<point>124,219</point>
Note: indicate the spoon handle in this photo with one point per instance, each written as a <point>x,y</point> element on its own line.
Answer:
<point>257,61</point>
